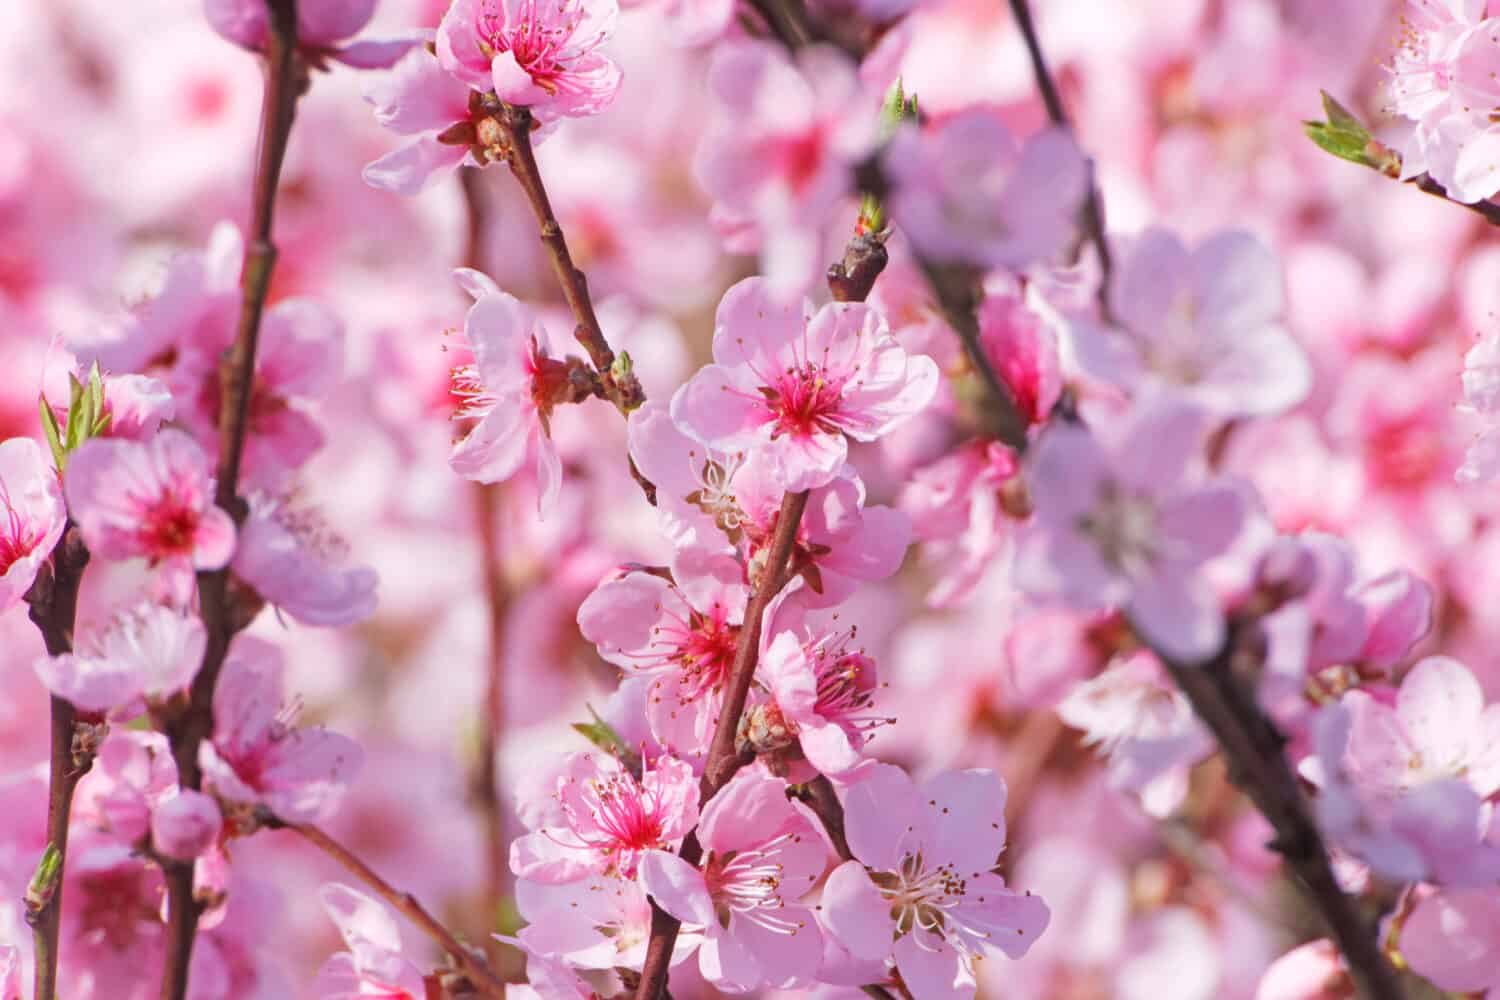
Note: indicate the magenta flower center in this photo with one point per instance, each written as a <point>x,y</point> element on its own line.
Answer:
<point>17,540</point>
<point>626,819</point>
<point>845,687</point>
<point>805,400</point>
<point>169,526</point>
<point>539,44</point>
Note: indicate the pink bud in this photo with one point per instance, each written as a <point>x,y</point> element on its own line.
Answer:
<point>1399,609</point>
<point>185,825</point>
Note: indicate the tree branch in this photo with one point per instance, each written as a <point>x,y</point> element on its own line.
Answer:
<point>479,974</point>
<point>620,387</point>
<point>1093,205</point>
<point>1253,748</point>
<point>1486,209</point>
<point>284,84</point>
<point>54,608</point>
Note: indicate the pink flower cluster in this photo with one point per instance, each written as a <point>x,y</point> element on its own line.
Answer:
<point>854,648</point>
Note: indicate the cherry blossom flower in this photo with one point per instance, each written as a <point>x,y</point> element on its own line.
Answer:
<point>608,819</point>
<point>322,28</point>
<point>1128,525</point>
<point>695,485</point>
<point>797,385</point>
<point>544,56</point>
<point>782,149</point>
<point>149,651</point>
<point>923,877</point>
<point>822,693</point>
<point>151,500</point>
<point>257,756</point>
<point>967,190</point>
<point>185,823</point>
<point>684,641</point>
<point>1203,322</point>
<point>417,98</point>
<point>761,857</point>
<point>1308,972</point>
<point>1145,727</point>
<point>509,391</point>
<point>595,922</point>
<point>1452,938</point>
<point>297,562</point>
<point>1402,786</point>
<point>32,518</point>
<point>374,965</point>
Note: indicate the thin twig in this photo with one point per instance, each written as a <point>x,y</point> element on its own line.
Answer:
<point>54,607</point>
<point>1486,209</point>
<point>1093,205</point>
<point>283,85</point>
<point>486,779</point>
<point>957,297</point>
<point>479,974</point>
<point>621,388</point>
<point>1253,748</point>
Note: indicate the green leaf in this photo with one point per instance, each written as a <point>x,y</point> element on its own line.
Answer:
<point>54,434</point>
<point>600,733</point>
<point>44,881</point>
<point>1340,118</point>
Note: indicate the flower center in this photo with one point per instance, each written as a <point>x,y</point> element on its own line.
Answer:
<point>747,884</point>
<point>1123,526</point>
<point>805,400</point>
<point>17,541</point>
<point>921,899</point>
<point>626,817</point>
<point>541,45</point>
<point>169,526</point>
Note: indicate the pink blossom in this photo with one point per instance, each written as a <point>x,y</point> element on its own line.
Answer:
<point>1481,394</point>
<point>923,877</point>
<point>609,819</point>
<point>1308,972</point>
<point>322,27</point>
<point>822,693</point>
<point>1402,786</point>
<point>967,190</point>
<point>33,517</point>
<point>417,98</point>
<point>147,651</point>
<point>509,391</point>
<point>544,56</point>
<point>374,965</point>
<point>1129,525</point>
<point>10,972</point>
<point>136,405</point>
<point>840,541</point>
<point>596,922</point>
<point>1452,938</point>
<point>684,641</point>
<point>761,857</point>
<point>1203,322</point>
<point>1021,344</point>
<point>797,384</point>
<point>185,824</point>
<point>546,977</point>
<point>297,562</point>
<point>782,149</point>
<point>257,756</point>
<point>151,500</point>
<point>695,484</point>
<point>1143,724</point>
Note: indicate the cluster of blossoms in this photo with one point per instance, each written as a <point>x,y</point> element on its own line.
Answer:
<point>890,616</point>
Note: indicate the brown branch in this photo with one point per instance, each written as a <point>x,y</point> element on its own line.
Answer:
<point>1093,205</point>
<point>516,124</point>
<point>485,788</point>
<point>1486,209</point>
<point>284,83</point>
<point>53,599</point>
<point>1253,748</point>
<point>724,757</point>
<point>955,288</point>
<point>479,974</point>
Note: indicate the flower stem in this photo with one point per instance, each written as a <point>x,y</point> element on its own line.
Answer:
<point>284,84</point>
<point>54,608</point>
<point>479,974</point>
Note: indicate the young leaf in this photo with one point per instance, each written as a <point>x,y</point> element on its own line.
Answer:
<point>54,434</point>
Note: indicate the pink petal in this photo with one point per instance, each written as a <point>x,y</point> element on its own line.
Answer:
<point>856,913</point>
<point>716,409</point>
<point>677,887</point>
<point>1439,705</point>
<point>967,810</point>
<point>932,969</point>
<point>411,168</point>
<point>881,813</point>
